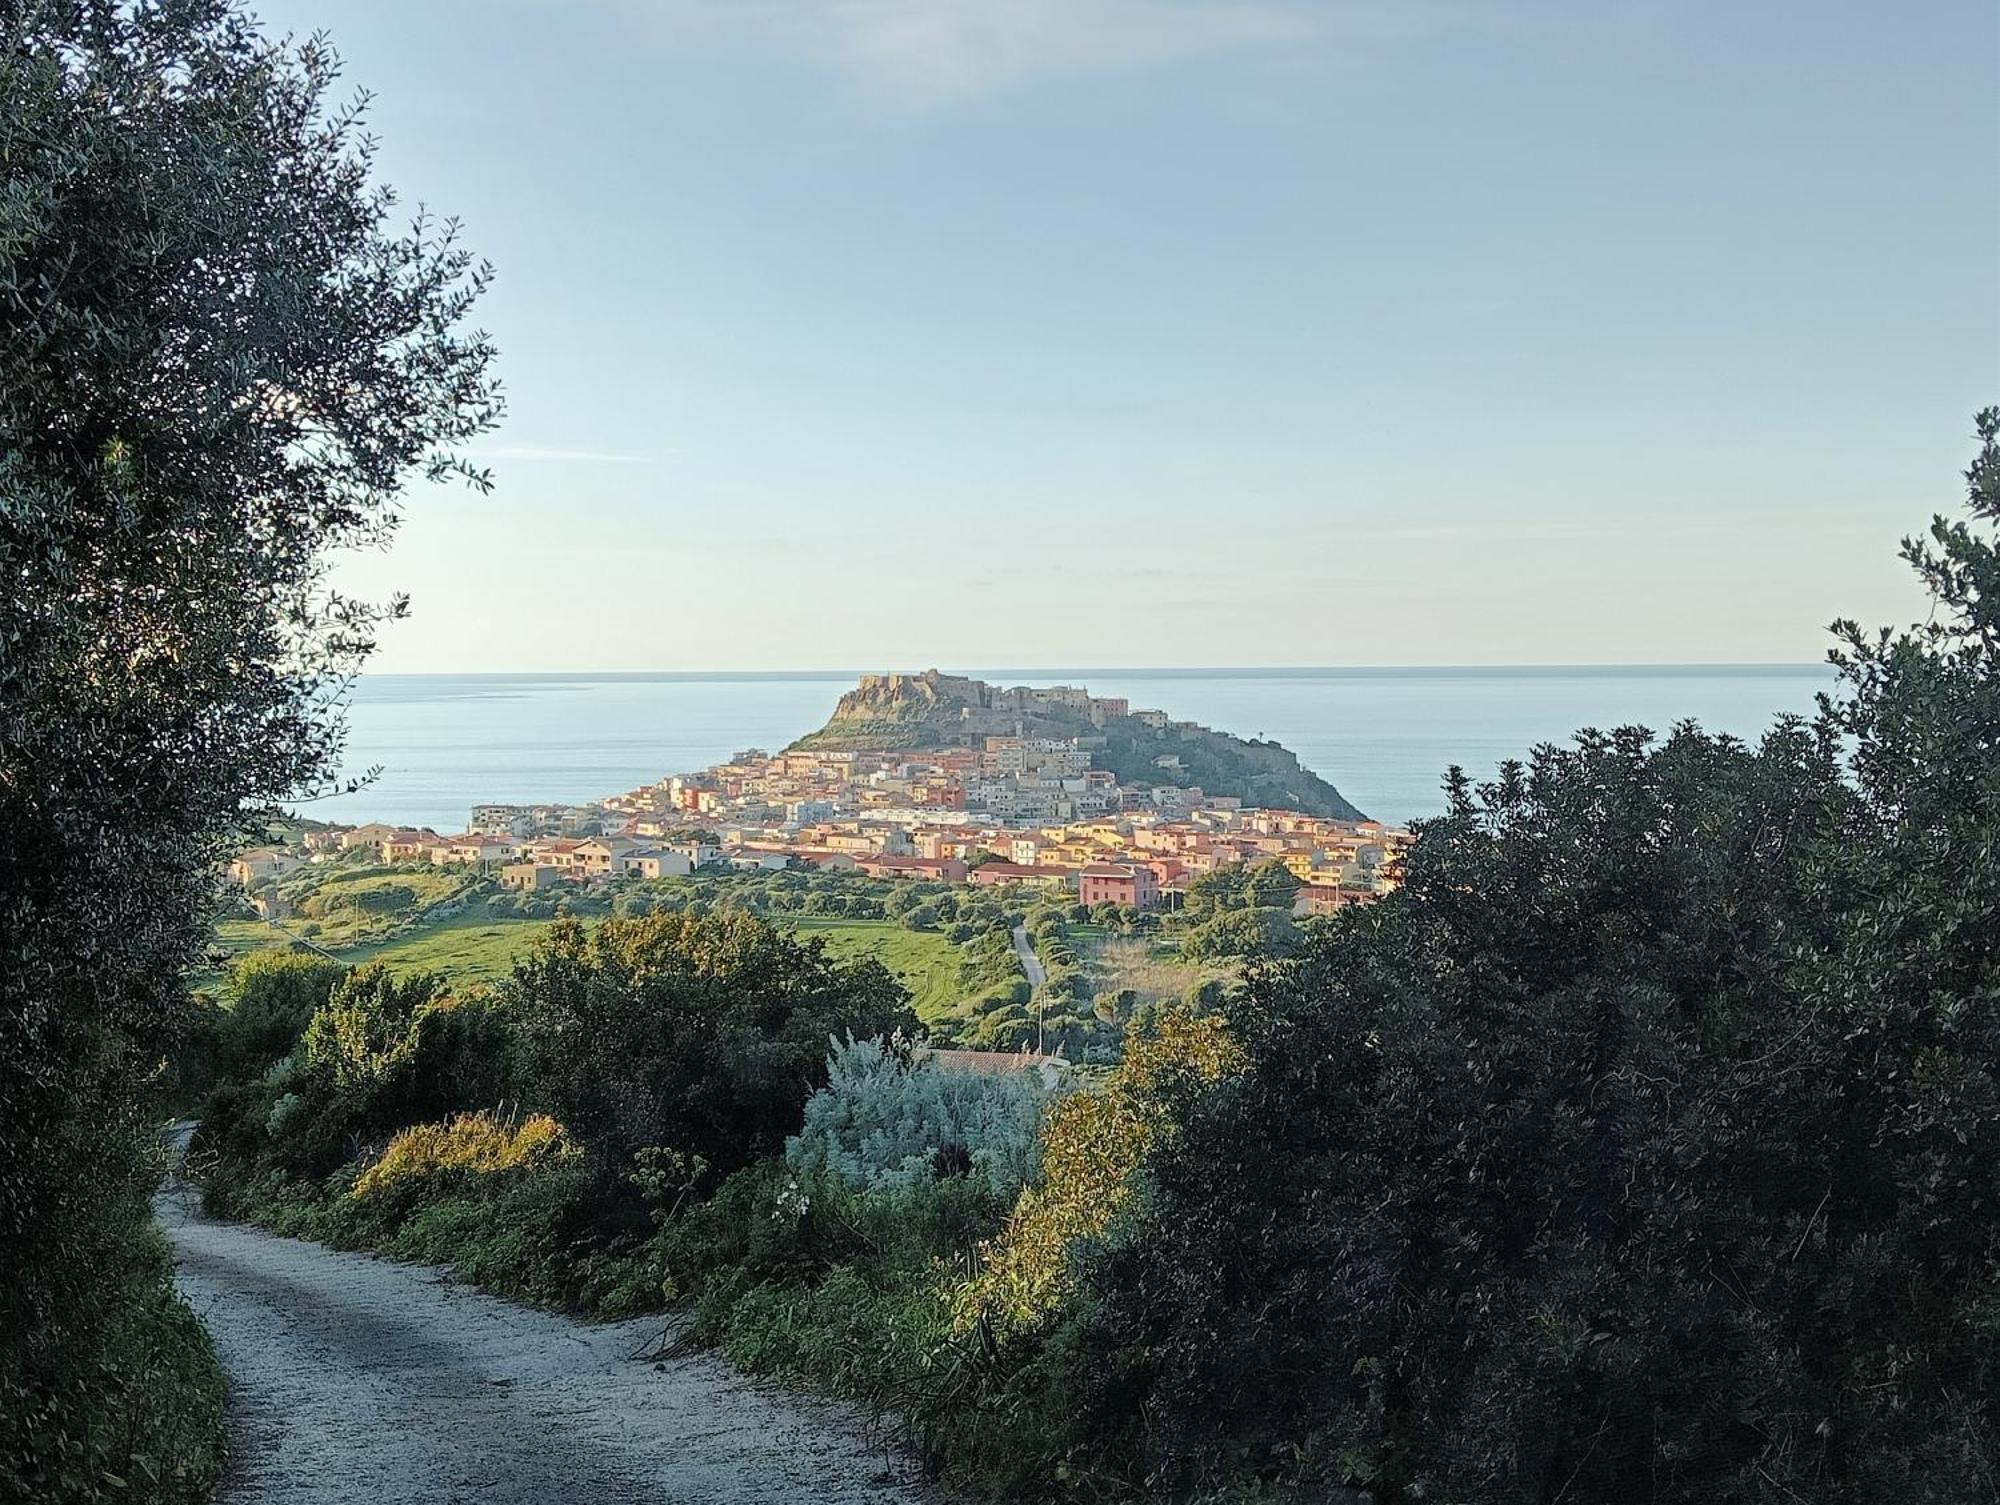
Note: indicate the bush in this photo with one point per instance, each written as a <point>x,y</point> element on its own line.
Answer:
<point>471,1144</point>
<point>384,1051</point>
<point>885,1121</point>
<point>267,1003</point>
<point>1091,1147</point>
<point>699,1034</point>
<point>1642,1146</point>
<point>379,899</point>
<point>1242,933</point>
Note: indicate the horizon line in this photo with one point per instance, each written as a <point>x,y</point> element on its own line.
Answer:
<point>1100,669</point>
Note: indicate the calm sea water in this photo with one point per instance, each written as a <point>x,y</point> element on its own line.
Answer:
<point>445,742</point>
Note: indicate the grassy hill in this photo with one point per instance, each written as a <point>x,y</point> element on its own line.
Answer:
<point>476,946</point>
<point>923,961</point>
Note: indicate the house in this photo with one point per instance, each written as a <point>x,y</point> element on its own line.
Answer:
<point>406,845</point>
<point>654,862</point>
<point>370,835</point>
<point>988,874</point>
<point>698,853</point>
<point>598,857</point>
<point>1127,884</point>
<point>530,875</point>
<point>552,851</point>
<point>259,863</point>
<point>1316,898</point>
<point>504,821</point>
<point>937,869</point>
<point>472,847</point>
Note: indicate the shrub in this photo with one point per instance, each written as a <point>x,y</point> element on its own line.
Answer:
<point>270,998</point>
<point>382,1052</point>
<point>1642,1147</point>
<point>1091,1146</point>
<point>886,1121</point>
<point>378,899</point>
<point>1242,933</point>
<point>703,1034</point>
<point>470,1144</point>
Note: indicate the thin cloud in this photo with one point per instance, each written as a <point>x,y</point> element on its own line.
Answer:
<point>538,453</point>
<point>1560,529</point>
<point>919,55</point>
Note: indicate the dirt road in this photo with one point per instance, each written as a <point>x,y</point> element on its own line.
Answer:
<point>356,1381</point>
<point>1031,965</point>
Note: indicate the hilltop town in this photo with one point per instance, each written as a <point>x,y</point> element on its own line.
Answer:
<point>946,779</point>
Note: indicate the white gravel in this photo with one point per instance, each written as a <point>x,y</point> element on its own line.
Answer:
<point>359,1381</point>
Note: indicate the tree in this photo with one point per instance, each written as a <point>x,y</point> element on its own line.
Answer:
<point>1270,885</point>
<point>219,360</point>
<point>1242,932</point>
<point>1215,892</point>
<point>271,998</point>
<point>698,1035</point>
<point>1642,1147</point>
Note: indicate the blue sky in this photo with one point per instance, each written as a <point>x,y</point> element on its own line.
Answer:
<point>1041,332</point>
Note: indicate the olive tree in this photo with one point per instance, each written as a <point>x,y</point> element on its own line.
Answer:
<point>224,353</point>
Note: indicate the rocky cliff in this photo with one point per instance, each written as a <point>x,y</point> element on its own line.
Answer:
<point>910,712</point>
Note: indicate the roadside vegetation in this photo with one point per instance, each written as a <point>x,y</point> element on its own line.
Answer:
<point>1642,1145</point>
<point>1645,1145</point>
<point>224,352</point>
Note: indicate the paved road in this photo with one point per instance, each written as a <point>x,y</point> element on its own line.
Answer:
<point>356,1381</point>
<point>1030,963</point>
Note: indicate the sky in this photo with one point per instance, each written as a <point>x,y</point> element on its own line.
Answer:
<point>855,333</point>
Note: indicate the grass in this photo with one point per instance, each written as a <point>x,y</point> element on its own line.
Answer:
<point>472,947</point>
<point>239,936</point>
<point>354,927</point>
<point>479,947</point>
<point>1154,970</point>
<point>922,960</point>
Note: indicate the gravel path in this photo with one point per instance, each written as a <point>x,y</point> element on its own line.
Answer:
<point>1031,965</point>
<point>358,1381</point>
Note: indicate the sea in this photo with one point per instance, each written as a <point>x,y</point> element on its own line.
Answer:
<point>433,745</point>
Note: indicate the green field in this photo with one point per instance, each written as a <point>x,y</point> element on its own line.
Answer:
<point>473,947</point>
<point>468,948</point>
<point>325,900</point>
<point>922,960</point>
<point>477,947</point>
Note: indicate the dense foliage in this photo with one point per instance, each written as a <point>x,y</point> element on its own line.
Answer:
<point>218,361</point>
<point>1643,1147</point>
<point>650,1057</point>
<point>702,1035</point>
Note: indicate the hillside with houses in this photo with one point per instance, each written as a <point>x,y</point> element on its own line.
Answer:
<point>1138,749</point>
<point>1004,797</point>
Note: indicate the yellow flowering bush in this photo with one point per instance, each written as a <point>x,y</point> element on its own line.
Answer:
<point>1092,1144</point>
<point>470,1144</point>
